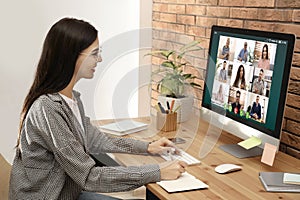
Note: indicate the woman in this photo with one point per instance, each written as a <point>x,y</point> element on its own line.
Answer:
<point>239,81</point>
<point>264,62</point>
<point>52,159</point>
<point>219,95</point>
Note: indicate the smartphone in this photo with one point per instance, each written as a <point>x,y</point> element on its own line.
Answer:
<point>177,140</point>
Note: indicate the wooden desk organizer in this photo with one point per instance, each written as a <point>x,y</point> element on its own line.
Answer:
<point>166,122</point>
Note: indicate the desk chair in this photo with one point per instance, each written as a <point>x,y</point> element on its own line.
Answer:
<point>5,169</point>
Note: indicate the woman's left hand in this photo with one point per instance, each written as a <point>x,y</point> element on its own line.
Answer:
<point>162,146</point>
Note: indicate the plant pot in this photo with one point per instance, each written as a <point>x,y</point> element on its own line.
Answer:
<point>185,106</point>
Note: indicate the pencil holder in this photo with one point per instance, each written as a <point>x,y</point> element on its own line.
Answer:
<point>166,122</point>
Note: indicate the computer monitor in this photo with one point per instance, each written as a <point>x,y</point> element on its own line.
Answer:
<point>246,84</point>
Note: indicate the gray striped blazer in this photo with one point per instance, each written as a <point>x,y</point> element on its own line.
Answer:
<point>53,161</point>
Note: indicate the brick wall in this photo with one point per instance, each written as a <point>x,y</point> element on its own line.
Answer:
<point>177,21</point>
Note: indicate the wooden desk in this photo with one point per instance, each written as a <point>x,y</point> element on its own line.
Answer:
<point>241,185</point>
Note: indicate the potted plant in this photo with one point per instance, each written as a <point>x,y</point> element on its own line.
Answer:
<point>174,80</point>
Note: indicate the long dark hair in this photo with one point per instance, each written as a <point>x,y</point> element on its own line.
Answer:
<point>236,81</point>
<point>64,42</point>
<point>262,52</point>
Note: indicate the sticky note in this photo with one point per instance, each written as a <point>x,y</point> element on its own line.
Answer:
<point>250,142</point>
<point>269,153</point>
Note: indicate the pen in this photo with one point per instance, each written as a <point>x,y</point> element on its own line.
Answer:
<point>172,105</point>
<point>161,108</point>
<point>168,106</point>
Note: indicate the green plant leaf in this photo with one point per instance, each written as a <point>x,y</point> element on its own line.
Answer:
<point>169,64</point>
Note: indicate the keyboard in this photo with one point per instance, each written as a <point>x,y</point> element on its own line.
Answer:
<point>190,160</point>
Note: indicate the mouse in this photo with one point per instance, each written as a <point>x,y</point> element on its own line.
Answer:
<point>226,168</point>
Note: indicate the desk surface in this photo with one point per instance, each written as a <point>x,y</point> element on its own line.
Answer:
<point>243,184</point>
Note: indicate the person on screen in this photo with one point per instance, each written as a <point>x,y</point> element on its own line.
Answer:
<point>220,94</point>
<point>225,50</point>
<point>243,55</point>
<point>258,83</point>
<point>264,61</point>
<point>240,81</point>
<point>256,109</point>
<point>56,138</point>
<point>223,73</point>
<point>236,106</point>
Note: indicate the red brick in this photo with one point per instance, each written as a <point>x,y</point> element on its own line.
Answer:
<point>167,35</point>
<point>168,1</point>
<point>201,64</point>
<point>296,16</point>
<point>160,7</point>
<point>156,16</point>
<point>244,13</point>
<point>184,39</point>
<point>154,95</point>
<point>194,30</point>
<point>288,3</point>
<point>218,11</point>
<point>293,127</point>
<point>166,17</point>
<point>288,28</point>
<point>292,113</point>
<point>296,59</point>
<point>294,87</point>
<point>186,19</point>
<point>185,1</point>
<point>208,32</point>
<point>207,2</point>
<point>198,93</point>
<point>265,26</point>
<point>159,44</point>
<point>259,3</point>
<point>297,45</point>
<point>178,9</point>
<point>290,139</point>
<point>176,28</point>
<point>159,25</point>
<point>231,2</point>
<point>295,73</point>
<point>195,10</point>
<point>230,23</point>
<point>275,15</point>
<point>206,21</point>
<point>293,100</point>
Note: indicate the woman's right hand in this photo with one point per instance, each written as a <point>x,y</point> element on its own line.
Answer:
<point>172,170</point>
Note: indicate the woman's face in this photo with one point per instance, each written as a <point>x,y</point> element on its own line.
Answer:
<point>264,52</point>
<point>87,61</point>
<point>241,72</point>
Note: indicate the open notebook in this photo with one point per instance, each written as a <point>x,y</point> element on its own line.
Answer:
<point>123,127</point>
<point>184,183</point>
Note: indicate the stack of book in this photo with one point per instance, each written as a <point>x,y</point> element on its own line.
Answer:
<point>123,127</point>
<point>280,181</point>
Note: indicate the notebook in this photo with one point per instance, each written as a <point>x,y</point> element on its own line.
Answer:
<point>291,178</point>
<point>184,183</point>
<point>123,127</point>
<point>273,182</point>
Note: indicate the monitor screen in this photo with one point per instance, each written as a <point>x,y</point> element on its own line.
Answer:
<point>247,76</point>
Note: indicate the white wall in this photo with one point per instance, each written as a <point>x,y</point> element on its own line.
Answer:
<point>24,25</point>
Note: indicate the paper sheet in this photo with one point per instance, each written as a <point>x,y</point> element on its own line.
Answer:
<point>268,155</point>
<point>250,142</point>
<point>183,183</point>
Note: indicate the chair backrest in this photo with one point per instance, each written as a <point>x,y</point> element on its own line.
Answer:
<point>5,169</point>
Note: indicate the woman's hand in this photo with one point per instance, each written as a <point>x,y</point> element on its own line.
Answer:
<point>172,170</point>
<point>162,146</point>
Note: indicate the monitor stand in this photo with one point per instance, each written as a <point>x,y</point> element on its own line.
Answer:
<point>240,152</point>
